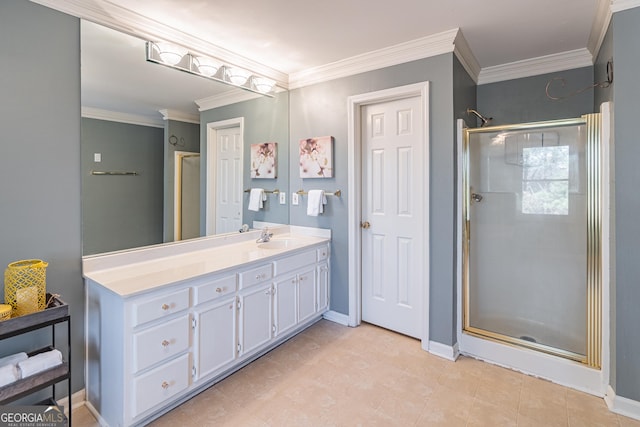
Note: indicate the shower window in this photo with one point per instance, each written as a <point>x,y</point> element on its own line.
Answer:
<point>545,180</point>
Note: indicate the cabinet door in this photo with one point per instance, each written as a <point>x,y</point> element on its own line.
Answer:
<point>256,320</point>
<point>285,304</point>
<point>306,295</point>
<point>216,337</point>
<point>323,287</point>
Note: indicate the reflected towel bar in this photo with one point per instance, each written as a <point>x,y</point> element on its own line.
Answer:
<point>276,191</point>
<point>114,173</point>
<point>336,193</point>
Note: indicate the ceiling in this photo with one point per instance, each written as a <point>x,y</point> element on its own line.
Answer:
<point>293,36</point>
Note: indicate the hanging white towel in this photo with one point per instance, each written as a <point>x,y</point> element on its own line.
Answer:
<point>9,374</point>
<point>13,359</point>
<point>257,197</point>
<point>315,203</point>
<point>40,362</point>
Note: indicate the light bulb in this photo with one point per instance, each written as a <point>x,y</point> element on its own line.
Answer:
<point>263,84</point>
<point>170,54</point>
<point>207,66</point>
<point>237,76</point>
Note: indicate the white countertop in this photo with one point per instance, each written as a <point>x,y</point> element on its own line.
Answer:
<point>143,271</point>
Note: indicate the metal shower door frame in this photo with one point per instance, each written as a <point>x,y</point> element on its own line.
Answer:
<point>593,356</point>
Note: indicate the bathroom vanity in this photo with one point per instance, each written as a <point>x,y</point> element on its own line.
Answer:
<point>166,322</point>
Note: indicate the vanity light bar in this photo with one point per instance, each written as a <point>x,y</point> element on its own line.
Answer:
<point>210,68</point>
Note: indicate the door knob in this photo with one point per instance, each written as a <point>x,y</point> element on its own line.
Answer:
<point>476,197</point>
<point>365,224</point>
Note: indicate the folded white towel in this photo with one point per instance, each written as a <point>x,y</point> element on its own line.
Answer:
<point>315,202</point>
<point>256,198</point>
<point>8,375</point>
<point>40,362</point>
<point>13,359</point>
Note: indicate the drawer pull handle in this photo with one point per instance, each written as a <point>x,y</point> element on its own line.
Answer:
<point>165,306</point>
<point>261,276</point>
<point>165,385</point>
<point>219,290</point>
<point>165,343</point>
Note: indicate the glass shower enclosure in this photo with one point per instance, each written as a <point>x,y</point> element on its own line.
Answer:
<point>531,236</point>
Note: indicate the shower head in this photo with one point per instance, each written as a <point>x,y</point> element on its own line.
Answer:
<point>485,120</point>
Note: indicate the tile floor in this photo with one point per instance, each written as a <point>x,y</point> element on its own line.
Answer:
<point>331,375</point>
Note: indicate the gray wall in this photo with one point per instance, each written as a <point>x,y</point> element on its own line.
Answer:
<point>121,212</point>
<point>524,100</point>
<point>265,120</point>
<point>188,139</point>
<point>40,161</point>
<point>321,110</point>
<point>626,93</point>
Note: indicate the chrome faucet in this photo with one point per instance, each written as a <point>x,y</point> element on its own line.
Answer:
<point>265,236</point>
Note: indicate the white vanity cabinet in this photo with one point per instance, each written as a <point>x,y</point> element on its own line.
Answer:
<point>152,350</point>
<point>215,325</point>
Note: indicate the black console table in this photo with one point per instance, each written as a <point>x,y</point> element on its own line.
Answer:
<point>56,312</point>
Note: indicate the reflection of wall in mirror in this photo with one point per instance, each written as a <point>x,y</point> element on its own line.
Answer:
<point>266,119</point>
<point>120,212</point>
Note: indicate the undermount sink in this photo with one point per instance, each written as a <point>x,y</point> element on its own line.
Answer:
<point>277,244</point>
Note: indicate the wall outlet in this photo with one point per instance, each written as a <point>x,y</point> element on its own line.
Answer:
<point>283,198</point>
<point>294,199</point>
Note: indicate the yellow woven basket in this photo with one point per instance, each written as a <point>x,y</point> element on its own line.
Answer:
<point>25,286</point>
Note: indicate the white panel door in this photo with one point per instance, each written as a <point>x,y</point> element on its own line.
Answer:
<point>229,180</point>
<point>392,215</point>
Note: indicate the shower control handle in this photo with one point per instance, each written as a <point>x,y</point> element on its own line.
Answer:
<point>476,197</point>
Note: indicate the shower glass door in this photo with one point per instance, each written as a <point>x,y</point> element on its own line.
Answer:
<point>529,261</point>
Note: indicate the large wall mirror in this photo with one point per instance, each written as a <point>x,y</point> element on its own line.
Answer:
<point>148,148</point>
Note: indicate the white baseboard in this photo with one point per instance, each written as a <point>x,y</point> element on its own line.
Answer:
<point>621,405</point>
<point>77,400</point>
<point>336,317</point>
<point>449,352</point>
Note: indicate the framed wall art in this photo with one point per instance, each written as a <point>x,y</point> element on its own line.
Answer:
<point>316,157</point>
<point>264,162</point>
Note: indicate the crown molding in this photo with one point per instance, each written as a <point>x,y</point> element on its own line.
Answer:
<point>226,98</point>
<point>179,116</point>
<point>424,47</point>
<point>113,116</point>
<point>466,57</point>
<point>535,66</point>
<point>599,27</point>
<point>118,18</point>
<point>619,5</point>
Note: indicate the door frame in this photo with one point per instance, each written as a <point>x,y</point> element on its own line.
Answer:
<point>354,137</point>
<point>177,191</point>
<point>211,174</point>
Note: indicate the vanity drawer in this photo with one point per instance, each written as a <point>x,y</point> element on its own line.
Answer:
<point>160,306</point>
<point>294,262</point>
<point>160,384</point>
<point>255,275</point>
<point>323,253</point>
<point>214,289</point>
<point>160,342</point>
